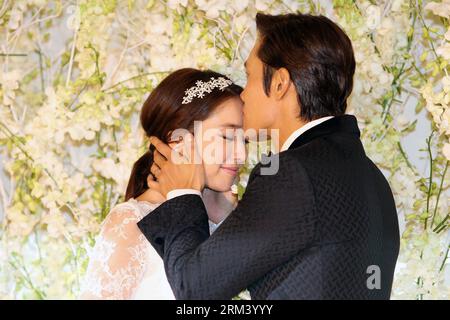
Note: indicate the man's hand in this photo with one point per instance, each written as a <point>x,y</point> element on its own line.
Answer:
<point>174,169</point>
<point>152,194</point>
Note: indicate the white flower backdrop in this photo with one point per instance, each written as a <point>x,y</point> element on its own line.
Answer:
<point>73,77</point>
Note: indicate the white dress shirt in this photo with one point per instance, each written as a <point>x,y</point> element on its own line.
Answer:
<point>294,135</point>
<point>181,192</point>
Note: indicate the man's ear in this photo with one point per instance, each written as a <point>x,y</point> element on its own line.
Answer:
<point>281,82</point>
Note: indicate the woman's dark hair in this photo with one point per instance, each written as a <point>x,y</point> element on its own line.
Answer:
<point>163,112</point>
<point>318,55</point>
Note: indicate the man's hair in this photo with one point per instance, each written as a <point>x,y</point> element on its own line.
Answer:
<point>318,55</point>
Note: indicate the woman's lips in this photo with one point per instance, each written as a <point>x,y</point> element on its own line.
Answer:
<point>230,170</point>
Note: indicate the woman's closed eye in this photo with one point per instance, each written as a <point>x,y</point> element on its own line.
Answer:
<point>233,138</point>
<point>229,138</point>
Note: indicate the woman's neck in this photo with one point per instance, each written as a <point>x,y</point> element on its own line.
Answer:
<point>218,204</point>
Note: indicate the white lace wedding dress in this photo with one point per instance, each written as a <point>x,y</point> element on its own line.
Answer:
<point>123,264</point>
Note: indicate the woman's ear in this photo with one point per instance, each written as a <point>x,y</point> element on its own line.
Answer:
<point>175,138</point>
<point>281,82</point>
<point>181,141</point>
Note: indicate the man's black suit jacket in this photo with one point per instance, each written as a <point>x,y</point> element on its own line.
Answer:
<point>323,227</point>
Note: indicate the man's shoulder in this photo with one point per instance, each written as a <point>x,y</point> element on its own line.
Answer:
<point>291,158</point>
<point>283,166</point>
<point>296,162</point>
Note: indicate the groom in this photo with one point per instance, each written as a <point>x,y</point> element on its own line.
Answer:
<point>325,225</point>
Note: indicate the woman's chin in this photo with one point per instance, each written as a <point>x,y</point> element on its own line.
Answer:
<point>220,186</point>
<point>221,181</point>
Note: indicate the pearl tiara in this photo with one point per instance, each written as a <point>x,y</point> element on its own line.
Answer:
<point>202,88</point>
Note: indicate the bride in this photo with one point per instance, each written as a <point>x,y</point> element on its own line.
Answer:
<point>123,264</point>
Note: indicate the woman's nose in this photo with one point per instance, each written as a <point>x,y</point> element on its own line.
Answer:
<point>240,153</point>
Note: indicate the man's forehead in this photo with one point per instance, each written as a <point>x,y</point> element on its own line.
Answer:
<point>252,54</point>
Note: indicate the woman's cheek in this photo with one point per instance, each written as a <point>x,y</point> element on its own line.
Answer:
<point>211,170</point>
<point>212,152</point>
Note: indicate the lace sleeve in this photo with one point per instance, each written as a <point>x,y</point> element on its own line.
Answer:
<point>118,260</point>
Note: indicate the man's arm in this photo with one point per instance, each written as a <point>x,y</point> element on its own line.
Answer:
<point>273,222</point>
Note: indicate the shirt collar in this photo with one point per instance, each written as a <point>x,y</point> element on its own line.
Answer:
<point>294,135</point>
<point>213,226</point>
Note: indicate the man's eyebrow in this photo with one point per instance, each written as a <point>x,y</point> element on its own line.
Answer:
<point>245,64</point>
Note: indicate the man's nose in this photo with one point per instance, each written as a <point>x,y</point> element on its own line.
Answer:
<point>242,95</point>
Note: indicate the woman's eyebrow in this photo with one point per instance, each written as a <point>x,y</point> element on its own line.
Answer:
<point>231,125</point>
